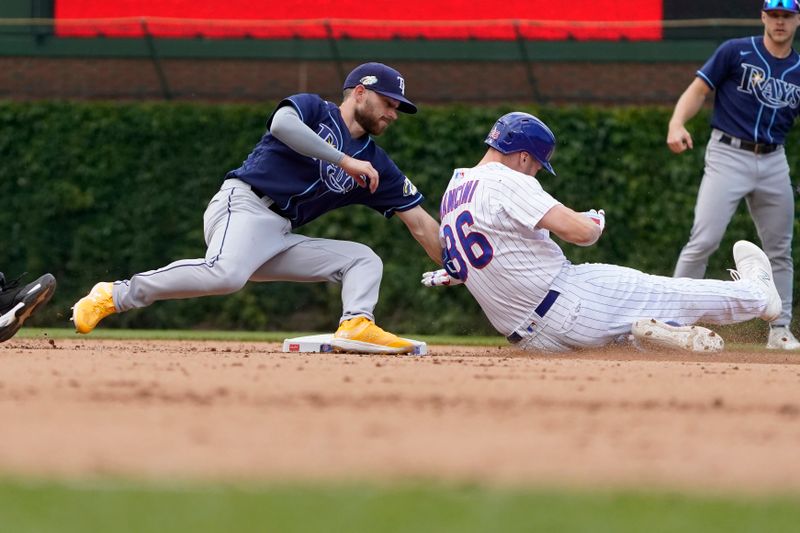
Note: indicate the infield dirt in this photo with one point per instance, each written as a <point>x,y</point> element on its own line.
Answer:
<point>232,411</point>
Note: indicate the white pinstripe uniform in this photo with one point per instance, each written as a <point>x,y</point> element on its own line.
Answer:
<point>488,220</point>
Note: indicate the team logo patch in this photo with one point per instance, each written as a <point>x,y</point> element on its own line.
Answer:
<point>369,80</point>
<point>494,134</point>
<point>408,188</point>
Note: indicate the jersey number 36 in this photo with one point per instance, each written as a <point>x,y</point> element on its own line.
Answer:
<point>474,246</point>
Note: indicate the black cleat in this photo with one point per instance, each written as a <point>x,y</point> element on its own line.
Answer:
<point>17,302</point>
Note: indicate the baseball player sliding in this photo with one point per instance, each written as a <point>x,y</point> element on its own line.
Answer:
<point>314,157</point>
<point>757,85</point>
<point>496,221</point>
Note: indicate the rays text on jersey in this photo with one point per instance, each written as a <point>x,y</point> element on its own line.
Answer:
<point>772,92</point>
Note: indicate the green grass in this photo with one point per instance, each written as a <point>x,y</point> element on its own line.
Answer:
<point>249,336</point>
<point>120,508</point>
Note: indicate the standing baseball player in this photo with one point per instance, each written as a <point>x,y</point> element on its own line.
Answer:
<point>757,85</point>
<point>314,157</point>
<point>496,221</point>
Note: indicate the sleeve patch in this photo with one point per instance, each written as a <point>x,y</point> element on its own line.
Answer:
<point>409,189</point>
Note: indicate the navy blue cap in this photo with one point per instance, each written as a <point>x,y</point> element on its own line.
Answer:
<point>383,80</point>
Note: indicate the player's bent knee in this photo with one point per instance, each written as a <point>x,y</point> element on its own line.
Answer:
<point>364,265</point>
<point>228,287</point>
<point>227,282</point>
<point>364,255</point>
<point>373,262</point>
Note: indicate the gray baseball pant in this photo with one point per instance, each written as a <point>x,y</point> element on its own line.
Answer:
<point>763,181</point>
<point>249,242</point>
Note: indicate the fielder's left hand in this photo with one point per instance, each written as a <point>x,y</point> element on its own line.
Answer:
<point>598,217</point>
<point>439,278</point>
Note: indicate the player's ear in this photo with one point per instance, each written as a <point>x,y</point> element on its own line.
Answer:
<point>356,93</point>
<point>359,91</point>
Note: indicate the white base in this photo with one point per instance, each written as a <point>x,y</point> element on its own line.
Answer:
<point>323,343</point>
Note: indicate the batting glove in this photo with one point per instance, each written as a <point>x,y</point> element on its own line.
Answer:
<point>439,278</point>
<point>598,217</point>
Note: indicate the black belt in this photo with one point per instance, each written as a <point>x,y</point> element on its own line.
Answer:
<point>541,310</point>
<point>756,148</point>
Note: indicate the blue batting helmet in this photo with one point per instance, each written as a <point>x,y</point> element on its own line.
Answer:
<point>522,132</point>
<point>782,5</point>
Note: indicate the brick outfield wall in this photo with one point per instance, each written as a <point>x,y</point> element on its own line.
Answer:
<point>432,82</point>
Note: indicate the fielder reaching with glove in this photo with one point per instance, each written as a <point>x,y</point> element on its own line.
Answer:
<point>315,157</point>
<point>496,222</point>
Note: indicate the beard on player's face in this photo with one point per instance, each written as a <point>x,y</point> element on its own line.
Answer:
<point>369,120</point>
<point>371,116</point>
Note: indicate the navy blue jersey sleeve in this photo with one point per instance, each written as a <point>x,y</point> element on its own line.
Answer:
<point>718,65</point>
<point>395,191</point>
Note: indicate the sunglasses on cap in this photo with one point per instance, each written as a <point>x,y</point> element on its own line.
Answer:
<point>787,5</point>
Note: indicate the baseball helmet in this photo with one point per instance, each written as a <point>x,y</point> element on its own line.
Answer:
<point>522,132</point>
<point>793,6</point>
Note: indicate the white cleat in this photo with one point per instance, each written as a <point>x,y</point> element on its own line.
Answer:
<point>652,332</point>
<point>780,338</point>
<point>752,263</point>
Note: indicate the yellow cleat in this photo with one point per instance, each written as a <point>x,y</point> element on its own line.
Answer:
<point>360,334</point>
<point>93,307</point>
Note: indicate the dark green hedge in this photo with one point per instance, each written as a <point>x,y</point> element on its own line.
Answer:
<point>101,191</point>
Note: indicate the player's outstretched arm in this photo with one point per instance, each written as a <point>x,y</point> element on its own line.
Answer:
<point>424,229</point>
<point>571,226</point>
<point>690,102</point>
<point>287,127</point>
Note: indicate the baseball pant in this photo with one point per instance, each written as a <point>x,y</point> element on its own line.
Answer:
<point>249,242</point>
<point>763,181</point>
<point>598,303</point>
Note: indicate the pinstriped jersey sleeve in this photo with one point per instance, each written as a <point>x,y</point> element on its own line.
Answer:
<point>524,202</point>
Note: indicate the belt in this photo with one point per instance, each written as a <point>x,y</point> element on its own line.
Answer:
<point>261,195</point>
<point>756,148</point>
<point>541,310</point>
<point>272,205</point>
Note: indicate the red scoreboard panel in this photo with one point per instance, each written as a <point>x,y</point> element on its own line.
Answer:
<point>376,19</point>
